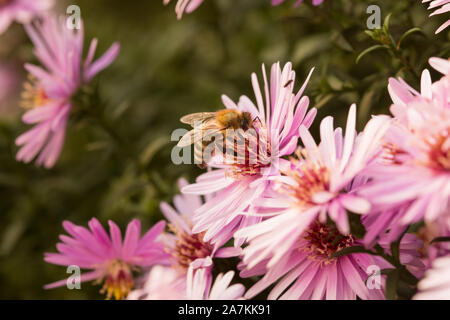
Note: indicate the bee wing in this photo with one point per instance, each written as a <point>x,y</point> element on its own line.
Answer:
<point>207,129</point>
<point>187,139</point>
<point>192,118</point>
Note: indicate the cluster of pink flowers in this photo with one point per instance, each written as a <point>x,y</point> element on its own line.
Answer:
<point>292,216</point>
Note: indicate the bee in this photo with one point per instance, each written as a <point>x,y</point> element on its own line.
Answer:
<point>210,124</point>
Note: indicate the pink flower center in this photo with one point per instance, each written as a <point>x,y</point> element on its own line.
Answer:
<point>34,95</point>
<point>310,178</point>
<point>188,248</point>
<point>439,154</point>
<point>118,280</point>
<point>324,240</point>
<point>251,155</point>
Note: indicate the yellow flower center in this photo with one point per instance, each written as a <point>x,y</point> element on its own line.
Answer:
<point>309,176</point>
<point>118,280</point>
<point>33,95</point>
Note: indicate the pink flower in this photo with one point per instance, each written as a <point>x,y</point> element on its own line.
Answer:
<point>412,180</point>
<point>48,95</point>
<point>306,269</point>
<point>161,283</point>
<point>183,6</point>
<point>108,257</point>
<point>436,283</point>
<point>314,2</point>
<point>239,186</point>
<point>443,6</point>
<point>21,10</point>
<point>187,248</point>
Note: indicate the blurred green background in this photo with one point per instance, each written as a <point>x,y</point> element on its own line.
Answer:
<point>168,68</point>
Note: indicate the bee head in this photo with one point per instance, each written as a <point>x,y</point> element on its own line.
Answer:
<point>246,121</point>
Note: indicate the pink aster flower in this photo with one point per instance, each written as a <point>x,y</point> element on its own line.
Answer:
<point>187,248</point>
<point>314,2</point>
<point>48,95</point>
<point>441,6</point>
<point>183,6</point>
<point>22,11</point>
<point>306,270</point>
<point>108,257</point>
<point>199,287</point>
<point>238,186</point>
<point>412,182</point>
<point>436,283</point>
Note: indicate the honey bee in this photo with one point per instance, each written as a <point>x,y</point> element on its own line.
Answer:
<point>210,124</point>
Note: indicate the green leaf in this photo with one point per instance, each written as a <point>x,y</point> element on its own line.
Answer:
<point>386,23</point>
<point>349,250</point>
<point>406,34</point>
<point>391,284</point>
<point>368,50</point>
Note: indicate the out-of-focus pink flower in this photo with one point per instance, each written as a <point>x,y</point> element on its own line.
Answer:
<point>161,283</point>
<point>441,6</point>
<point>412,181</point>
<point>436,283</point>
<point>21,11</point>
<point>108,257</point>
<point>298,2</point>
<point>48,94</point>
<point>239,186</point>
<point>199,287</point>
<point>183,6</point>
